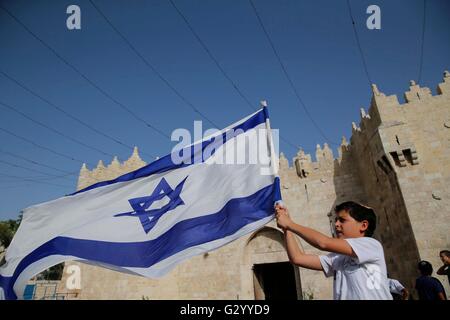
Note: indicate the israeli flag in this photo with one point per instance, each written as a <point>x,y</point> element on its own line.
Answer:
<point>189,202</point>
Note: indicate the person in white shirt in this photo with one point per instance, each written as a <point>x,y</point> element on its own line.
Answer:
<point>356,260</point>
<point>397,289</point>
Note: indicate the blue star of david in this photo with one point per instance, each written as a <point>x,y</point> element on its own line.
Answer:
<point>140,205</point>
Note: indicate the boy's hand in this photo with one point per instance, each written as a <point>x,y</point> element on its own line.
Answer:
<point>282,215</point>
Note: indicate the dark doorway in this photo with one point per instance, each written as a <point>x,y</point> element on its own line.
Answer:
<point>275,281</point>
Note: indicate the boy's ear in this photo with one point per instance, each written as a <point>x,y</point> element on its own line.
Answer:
<point>364,226</point>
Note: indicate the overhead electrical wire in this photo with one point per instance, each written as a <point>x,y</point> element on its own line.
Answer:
<point>76,70</point>
<point>68,114</point>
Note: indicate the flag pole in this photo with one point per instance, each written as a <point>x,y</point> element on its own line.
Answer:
<point>273,156</point>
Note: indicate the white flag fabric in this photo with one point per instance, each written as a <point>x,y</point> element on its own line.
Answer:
<point>147,221</point>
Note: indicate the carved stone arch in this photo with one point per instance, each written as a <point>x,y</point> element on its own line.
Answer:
<point>265,246</point>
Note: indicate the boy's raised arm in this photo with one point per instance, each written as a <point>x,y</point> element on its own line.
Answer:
<point>297,256</point>
<point>313,237</point>
<point>321,241</point>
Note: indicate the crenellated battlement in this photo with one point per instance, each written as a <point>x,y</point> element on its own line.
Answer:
<point>416,92</point>
<point>113,170</point>
<point>444,87</point>
<point>325,161</point>
<point>388,117</point>
<point>386,109</point>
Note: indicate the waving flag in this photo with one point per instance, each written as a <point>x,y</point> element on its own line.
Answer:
<point>149,220</point>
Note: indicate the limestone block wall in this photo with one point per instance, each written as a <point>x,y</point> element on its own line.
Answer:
<point>426,185</point>
<point>425,178</point>
<point>384,196</point>
<point>408,147</point>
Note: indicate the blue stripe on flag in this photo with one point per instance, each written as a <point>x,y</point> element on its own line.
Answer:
<point>236,214</point>
<point>165,163</point>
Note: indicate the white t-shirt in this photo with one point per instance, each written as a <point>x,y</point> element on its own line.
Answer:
<point>395,286</point>
<point>361,278</point>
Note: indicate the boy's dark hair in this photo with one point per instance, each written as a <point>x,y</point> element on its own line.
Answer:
<point>445,253</point>
<point>425,268</point>
<point>360,213</point>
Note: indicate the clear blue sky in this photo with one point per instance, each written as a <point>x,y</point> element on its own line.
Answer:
<point>314,39</point>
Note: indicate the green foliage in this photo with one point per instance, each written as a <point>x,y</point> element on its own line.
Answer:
<point>52,273</point>
<point>7,230</point>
